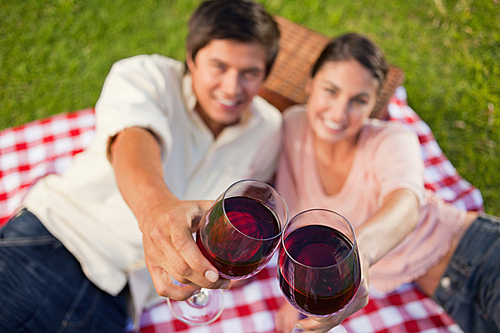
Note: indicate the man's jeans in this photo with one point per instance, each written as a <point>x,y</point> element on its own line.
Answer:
<point>470,287</point>
<point>43,288</point>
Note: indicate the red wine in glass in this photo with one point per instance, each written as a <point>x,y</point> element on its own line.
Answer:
<point>318,265</point>
<point>237,247</point>
<point>317,247</point>
<point>238,234</point>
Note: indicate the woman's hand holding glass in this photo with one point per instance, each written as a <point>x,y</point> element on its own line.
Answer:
<point>315,324</point>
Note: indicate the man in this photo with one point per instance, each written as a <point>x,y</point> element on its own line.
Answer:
<point>168,141</point>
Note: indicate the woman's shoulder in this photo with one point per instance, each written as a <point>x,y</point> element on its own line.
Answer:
<point>295,118</point>
<point>390,143</point>
<point>376,130</point>
<point>295,112</point>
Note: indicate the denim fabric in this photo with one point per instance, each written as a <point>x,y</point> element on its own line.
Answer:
<point>43,288</point>
<point>470,287</point>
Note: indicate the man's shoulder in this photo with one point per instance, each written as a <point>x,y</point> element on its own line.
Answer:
<point>268,112</point>
<point>151,62</point>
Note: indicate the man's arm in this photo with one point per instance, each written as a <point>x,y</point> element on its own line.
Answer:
<point>165,221</point>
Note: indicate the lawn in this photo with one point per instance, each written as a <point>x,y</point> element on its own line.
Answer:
<point>55,55</point>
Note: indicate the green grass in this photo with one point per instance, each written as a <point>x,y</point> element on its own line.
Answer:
<point>55,55</point>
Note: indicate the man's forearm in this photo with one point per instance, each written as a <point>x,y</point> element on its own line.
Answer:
<point>135,155</point>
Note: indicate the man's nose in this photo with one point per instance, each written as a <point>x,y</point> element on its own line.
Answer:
<point>231,84</point>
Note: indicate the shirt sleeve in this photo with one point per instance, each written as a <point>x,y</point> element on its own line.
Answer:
<point>266,158</point>
<point>290,167</point>
<point>132,96</point>
<point>398,162</point>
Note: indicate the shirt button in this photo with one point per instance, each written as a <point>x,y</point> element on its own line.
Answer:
<point>445,282</point>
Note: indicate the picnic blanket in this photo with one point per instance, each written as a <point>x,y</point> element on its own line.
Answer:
<point>36,149</point>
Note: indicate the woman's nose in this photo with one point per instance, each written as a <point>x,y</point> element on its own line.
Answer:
<point>338,110</point>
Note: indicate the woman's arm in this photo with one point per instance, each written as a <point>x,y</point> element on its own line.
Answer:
<point>165,221</point>
<point>397,217</point>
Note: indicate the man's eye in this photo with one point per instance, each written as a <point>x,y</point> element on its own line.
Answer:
<point>250,75</point>
<point>360,101</point>
<point>220,67</point>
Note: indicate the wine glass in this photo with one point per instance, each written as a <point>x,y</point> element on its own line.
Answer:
<point>238,234</point>
<point>318,265</point>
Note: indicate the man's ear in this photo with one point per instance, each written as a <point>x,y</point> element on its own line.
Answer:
<point>189,61</point>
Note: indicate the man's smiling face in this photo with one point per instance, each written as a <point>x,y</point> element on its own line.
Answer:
<point>226,75</point>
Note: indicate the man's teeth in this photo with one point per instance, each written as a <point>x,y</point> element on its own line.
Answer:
<point>331,124</point>
<point>227,102</point>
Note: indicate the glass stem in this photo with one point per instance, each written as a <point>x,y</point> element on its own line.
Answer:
<point>200,299</point>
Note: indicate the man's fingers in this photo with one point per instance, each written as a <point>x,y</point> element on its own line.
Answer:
<point>203,206</point>
<point>170,250</point>
<point>191,264</point>
<point>182,259</point>
<point>164,286</point>
<point>170,245</point>
<point>160,268</point>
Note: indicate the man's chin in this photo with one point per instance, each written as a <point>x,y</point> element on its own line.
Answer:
<point>230,118</point>
<point>231,122</point>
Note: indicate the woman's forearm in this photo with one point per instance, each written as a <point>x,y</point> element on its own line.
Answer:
<point>397,217</point>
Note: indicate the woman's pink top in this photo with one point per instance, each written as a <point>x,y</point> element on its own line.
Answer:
<point>387,158</point>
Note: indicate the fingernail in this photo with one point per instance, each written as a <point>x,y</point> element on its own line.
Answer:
<point>226,285</point>
<point>212,276</point>
<point>298,326</point>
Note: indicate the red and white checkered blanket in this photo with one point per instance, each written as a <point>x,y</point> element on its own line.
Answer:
<point>46,146</point>
<point>251,308</point>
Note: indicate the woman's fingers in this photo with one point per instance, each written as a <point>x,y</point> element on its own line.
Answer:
<point>286,317</point>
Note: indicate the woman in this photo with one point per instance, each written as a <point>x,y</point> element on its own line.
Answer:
<point>371,172</point>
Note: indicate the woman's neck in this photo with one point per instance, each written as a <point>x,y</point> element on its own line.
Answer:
<point>336,150</point>
<point>334,162</point>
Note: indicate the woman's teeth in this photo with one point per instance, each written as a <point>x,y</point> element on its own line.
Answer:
<point>332,124</point>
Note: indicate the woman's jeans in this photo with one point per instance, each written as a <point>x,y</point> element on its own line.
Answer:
<point>470,287</point>
<point>43,288</point>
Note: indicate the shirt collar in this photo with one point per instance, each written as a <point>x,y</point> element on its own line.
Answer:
<point>189,96</point>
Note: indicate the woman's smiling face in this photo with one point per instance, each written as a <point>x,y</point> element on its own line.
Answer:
<point>342,95</point>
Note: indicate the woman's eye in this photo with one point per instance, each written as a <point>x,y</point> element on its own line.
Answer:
<point>330,91</point>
